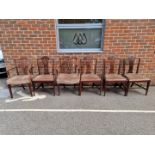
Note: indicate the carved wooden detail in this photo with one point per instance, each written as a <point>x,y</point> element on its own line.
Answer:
<point>68,65</point>
<point>45,65</point>
<point>88,65</point>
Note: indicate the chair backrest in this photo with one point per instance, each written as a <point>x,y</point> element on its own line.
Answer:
<point>88,65</point>
<point>68,64</point>
<point>23,66</point>
<point>131,64</point>
<point>45,65</point>
<point>113,65</point>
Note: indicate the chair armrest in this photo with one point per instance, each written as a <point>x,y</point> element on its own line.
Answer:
<point>9,71</point>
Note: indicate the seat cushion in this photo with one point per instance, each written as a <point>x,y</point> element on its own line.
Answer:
<point>136,77</point>
<point>68,78</point>
<point>115,78</point>
<point>90,78</point>
<point>43,78</point>
<point>19,79</point>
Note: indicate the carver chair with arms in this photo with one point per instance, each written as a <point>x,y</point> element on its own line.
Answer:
<point>20,75</point>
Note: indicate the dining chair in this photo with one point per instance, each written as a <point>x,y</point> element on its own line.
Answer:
<point>20,75</point>
<point>46,73</point>
<point>112,74</point>
<point>67,72</point>
<point>88,74</point>
<point>131,72</point>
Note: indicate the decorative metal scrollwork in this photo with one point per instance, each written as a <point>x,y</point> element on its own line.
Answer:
<point>80,39</point>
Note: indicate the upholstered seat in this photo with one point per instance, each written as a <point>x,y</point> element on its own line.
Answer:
<point>90,77</point>
<point>136,77</point>
<point>43,78</point>
<point>19,79</point>
<point>114,78</point>
<point>68,78</point>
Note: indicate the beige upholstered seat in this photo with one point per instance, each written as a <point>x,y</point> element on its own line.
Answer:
<point>68,78</point>
<point>114,78</point>
<point>136,77</point>
<point>90,77</point>
<point>19,79</point>
<point>43,78</point>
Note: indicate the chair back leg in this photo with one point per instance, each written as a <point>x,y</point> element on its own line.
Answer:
<point>10,91</point>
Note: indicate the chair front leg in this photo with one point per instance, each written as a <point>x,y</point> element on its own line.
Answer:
<point>101,87</point>
<point>104,86</point>
<point>80,88</point>
<point>42,85</point>
<point>10,90</point>
<point>34,87</point>
<point>127,85</point>
<point>58,86</point>
<point>53,88</point>
<point>30,89</point>
<point>147,87</point>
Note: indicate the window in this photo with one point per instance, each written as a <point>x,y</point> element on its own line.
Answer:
<point>80,35</point>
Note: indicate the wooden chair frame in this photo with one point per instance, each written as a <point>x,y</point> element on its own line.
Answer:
<point>134,63</point>
<point>68,66</point>
<point>21,65</point>
<point>44,64</point>
<point>88,68</point>
<point>112,74</point>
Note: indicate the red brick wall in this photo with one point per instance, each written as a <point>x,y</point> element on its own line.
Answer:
<point>33,38</point>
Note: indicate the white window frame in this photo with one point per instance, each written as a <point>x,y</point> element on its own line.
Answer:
<point>80,26</point>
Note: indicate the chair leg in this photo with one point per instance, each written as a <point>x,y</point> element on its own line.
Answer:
<point>23,86</point>
<point>93,85</point>
<point>42,85</point>
<point>54,88</point>
<point>34,88</point>
<point>132,84</point>
<point>104,87</point>
<point>80,88</point>
<point>147,87</point>
<point>10,90</point>
<point>58,86</point>
<point>30,89</point>
<point>101,88</point>
<point>127,85</point>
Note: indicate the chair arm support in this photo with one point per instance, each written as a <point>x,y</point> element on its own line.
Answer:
<point>9,71</point>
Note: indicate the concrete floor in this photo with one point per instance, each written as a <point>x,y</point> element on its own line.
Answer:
<point>72,114</point>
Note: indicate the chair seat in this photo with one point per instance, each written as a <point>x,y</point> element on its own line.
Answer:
<point>19,79</point>
<point>115,78</point>
<point>90,78</point>
<point>136,77</point>
<point>68,78</point>
<point>43,78</point>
